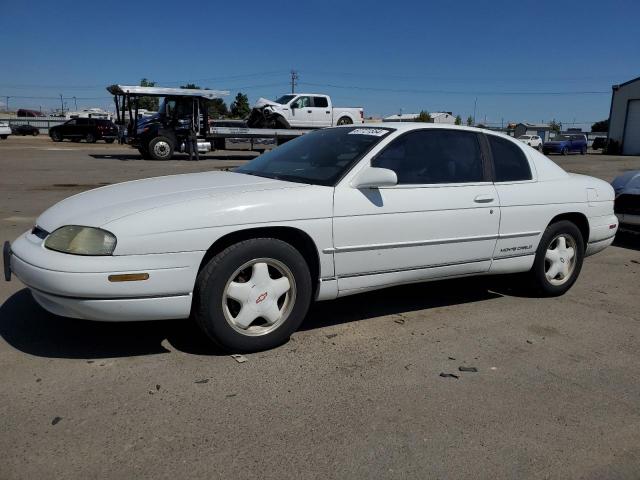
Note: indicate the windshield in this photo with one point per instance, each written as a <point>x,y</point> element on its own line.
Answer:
<point>283,100</point>
<point>524,137</point>
<point>559,138</point>
<point>318,158</point>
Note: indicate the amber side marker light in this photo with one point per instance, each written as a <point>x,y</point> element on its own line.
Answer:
<point>129,277</point>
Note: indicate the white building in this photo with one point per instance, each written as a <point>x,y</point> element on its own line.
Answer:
<point>624,118</point>
<point>436,117</point>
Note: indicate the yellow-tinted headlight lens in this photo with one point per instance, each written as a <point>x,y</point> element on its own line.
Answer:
<point>80,240</point>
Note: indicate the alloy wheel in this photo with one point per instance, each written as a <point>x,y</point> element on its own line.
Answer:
<point>259,296</point>
<point>560,259</point>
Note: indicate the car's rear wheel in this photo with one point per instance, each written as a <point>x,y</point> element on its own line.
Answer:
<point>90,138</point>
<point>565,151</point>
<point>4,137</point>
<point>344,121</point>
<point>540,147</point>
<point>35,133</point>
<point>558,259</point>
<point>253,295</point>
<point>583,151</point>
<point>109,140</point>
<point>56,136</point>
<point>161,148</point>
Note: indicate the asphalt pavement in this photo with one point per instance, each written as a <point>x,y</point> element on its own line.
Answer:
<point>356,393</point>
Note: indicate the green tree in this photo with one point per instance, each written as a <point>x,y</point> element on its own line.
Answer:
<point>240,106</point>
<point>555,126</point>
<point>601,126</point>
<point>424,116</point>
<point>217,108</point>
<point>191,86</point>
<point>458,120</point>
<point>469,120</point>
<point>148,103</point>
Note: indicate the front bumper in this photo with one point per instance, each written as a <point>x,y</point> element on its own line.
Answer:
<point>79,287</point>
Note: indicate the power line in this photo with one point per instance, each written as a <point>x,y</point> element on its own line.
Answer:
<point>454,92</point>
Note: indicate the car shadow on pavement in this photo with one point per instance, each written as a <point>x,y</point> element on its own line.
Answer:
<point>27,327</point>
<point>401,299</point>
<point>630,240</point>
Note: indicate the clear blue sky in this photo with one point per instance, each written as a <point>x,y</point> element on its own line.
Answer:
<point>384,56</point>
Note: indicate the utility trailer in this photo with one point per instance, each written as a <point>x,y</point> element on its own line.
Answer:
<point>158,136</point>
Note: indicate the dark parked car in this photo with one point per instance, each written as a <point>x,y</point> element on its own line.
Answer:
<point>25,130</point>
<point>89,129</point>
<point>599,143</point>
<point>566,144</point>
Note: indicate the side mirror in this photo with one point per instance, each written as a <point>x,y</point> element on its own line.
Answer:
<point>373,177</point>
<point>293,105</point>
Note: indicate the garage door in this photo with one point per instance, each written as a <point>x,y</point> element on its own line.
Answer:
<point>631,145</point>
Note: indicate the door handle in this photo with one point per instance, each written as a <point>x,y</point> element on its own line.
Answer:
<point>308,111</point>
<point>327,112</point>
<point>483,199</point>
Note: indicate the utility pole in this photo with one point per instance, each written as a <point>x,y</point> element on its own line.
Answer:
<point>294,80</point>
<point>475,104</point>
<point>7,104</point>
<point>62,104</point>
<point>75,103</point>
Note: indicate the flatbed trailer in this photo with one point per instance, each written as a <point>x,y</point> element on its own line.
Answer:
<point>167,131</point>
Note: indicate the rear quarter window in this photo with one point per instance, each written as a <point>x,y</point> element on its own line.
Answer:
<point>509,162</point>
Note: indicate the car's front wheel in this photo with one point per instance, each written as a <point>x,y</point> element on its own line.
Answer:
<point>565,151</point>
<point>558,259</point>
<point>56,136</point>
<point>90,138</point>
<point>253,295</point>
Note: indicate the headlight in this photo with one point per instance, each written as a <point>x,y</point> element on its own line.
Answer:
<point>81,241</point>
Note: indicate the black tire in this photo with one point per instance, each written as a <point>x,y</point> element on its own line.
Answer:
<point>538,273</point>
<point>540,148</point>
<point>208,309</point>
<point>4,137</point>
<point>344,121</point>
<point>161,148</point>
<point>565,151</point>
<point>35,133</point>
<point>583,151</point>
<point>280,122</point>
<point>76,140</point>
<point>56,136</point>
<point>90,138</point>
<point>109,140</point>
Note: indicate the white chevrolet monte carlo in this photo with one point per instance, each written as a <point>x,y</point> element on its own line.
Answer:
<point>333,213</point>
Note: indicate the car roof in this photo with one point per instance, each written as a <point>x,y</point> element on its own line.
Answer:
<point>408,126</point>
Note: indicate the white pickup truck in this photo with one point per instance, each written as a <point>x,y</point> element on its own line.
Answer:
<point>302,110</point>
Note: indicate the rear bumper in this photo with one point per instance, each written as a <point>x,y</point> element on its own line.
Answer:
<point>602,232</point>
<point>79,287</point>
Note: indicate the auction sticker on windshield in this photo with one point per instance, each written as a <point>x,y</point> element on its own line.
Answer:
<point>376,132</point>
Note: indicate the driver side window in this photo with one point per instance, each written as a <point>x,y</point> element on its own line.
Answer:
<point>302,102</point>
<point>433,156</point>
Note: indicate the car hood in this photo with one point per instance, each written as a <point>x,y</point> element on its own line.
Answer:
<point>263,102</point>
<point>628,183</point>
<point>99,207</point>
